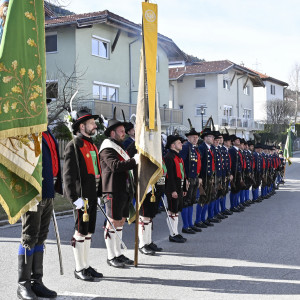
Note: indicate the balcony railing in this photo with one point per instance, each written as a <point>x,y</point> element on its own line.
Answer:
<point>242,123</point>
<point>168,116</point>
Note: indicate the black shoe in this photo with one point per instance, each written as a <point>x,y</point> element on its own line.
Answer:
<point>125,260</point>
<point>154,247</point>
<point>214,220</point>
<point>115,263</point>
<point>200,225</point>
<point>83,275</point>
<point>175,239</point>
<point>181,237</point>
<point>196,229</point>
<point>207,223</point>
<point>234,210</point>
<point>42,291</point>
<point>220,217</point>
<point>91,271</point>
<point>146,250</point>
<point>188,230</point>
<point>227,212</point>
<point>25,292</point>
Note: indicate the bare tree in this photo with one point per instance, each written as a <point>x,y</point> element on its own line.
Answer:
<point>294,81</point>
<point>61,89</point>
<point>279,111</point>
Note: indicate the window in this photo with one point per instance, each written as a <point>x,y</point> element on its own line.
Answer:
<point>200,83</point>
<point>247,113</point>
<point>226,84</point>
<point>227,112</point>
<point>51,42</point>
<point>247,90</point>
<point>100,47</point>
<point>272,89</point>
<point>52,89</point>
<point>201,110</point>
<point>105,91</point>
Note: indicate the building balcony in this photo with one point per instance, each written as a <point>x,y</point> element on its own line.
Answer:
<point>232,122</point>
<point>168,116</point>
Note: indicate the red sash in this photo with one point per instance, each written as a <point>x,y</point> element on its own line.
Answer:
<point>198,162</point>
<point>177,161</point>
<point>213,160</point>
<point>85,150</point>
<point>52,147</point>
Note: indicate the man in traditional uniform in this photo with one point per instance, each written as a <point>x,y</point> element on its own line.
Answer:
<point>207,175</point>
<point>214,215</point>
<point>192,164</point>
<point>226,176</point>
<point>175,186</point>
<point>258,170</point>
<point>117,188</point>
<point>236,172</point>
<point>148,211</point>
<point>130,131</point>
<point>82,187</point>
<point>249,177</point>
<point>35,225</point>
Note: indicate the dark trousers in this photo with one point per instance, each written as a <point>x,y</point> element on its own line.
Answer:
<point>35,225</point>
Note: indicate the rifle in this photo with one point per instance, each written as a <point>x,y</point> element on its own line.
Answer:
<point>57,242</point>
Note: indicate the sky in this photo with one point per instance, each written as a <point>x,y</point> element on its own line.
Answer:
<point>262,34</point>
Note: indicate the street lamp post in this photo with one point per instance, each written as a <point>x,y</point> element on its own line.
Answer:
<point>202,113</point>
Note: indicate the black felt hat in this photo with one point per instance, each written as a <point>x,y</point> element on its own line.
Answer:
<point>128,126</point>
<point>171,139</point>
<point>81,116</point>
<point>192,130</point>
<point>258,146</point>
<point>205,132</point>
<point>226,137</point>
<point>216,134</point>
<point>112,124</point>
<point>234,137</point>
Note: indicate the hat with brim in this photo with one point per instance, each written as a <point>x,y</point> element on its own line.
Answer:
<point>242,141</point>
<point>192,132</point>
<point>113,124</point>
<point>258,146</point>
<point>171,139</point>
<point>226,137</point>
<point>234,138</point>
<point>250,143</point>
<point>206,132</point>
<point>128,126</point>
<point>82,116</point>
<point>216,134</point>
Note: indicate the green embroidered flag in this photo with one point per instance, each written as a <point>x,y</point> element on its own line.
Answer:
<point>22,104</point>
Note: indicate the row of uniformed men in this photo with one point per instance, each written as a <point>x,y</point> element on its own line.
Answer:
<point>203,175</point>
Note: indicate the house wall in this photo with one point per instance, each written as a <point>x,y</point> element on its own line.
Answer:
<point>262,95</point>
<point>213,95</point>
<point>75,48</point>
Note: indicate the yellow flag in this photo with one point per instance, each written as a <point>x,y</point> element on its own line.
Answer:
<point>150,48</point>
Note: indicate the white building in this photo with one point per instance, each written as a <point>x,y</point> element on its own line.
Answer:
<point>221,89</point>
<point>274,89</point>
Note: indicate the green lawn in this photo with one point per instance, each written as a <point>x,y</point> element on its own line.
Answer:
<point>60,204</point>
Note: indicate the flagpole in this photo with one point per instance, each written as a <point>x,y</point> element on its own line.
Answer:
<point>138,198</point>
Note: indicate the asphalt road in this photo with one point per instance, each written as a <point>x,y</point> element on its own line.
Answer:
<point>250,255</point>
